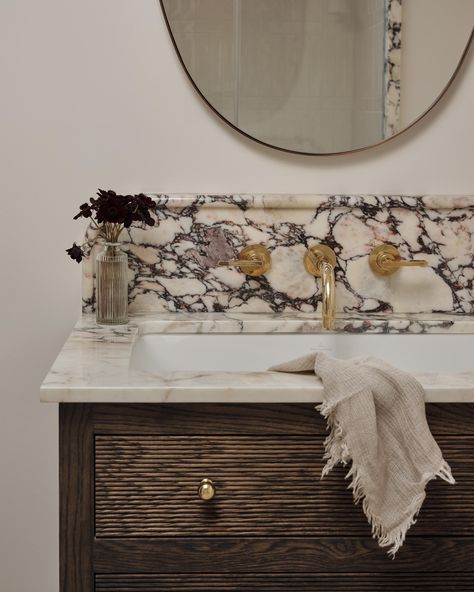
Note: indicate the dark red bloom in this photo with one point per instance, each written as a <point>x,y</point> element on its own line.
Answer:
<point>119,210</point>
<point>75,252</point>
<point>85,211</point>
<point>122,209</point>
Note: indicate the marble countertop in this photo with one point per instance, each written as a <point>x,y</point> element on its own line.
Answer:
<point>94,363</point>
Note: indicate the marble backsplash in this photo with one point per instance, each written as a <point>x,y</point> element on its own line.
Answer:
<point>172,266</point>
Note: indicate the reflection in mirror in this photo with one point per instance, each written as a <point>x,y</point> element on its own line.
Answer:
<point>320,76</point>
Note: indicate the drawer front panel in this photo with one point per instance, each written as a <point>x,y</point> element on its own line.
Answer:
<point>146,486</point>
<point>264,418</point>
<point>421,582</point>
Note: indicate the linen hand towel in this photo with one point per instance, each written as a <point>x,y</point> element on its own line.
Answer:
<point>376,419</point>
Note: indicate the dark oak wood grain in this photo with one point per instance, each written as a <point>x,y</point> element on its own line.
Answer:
<point>280,554</point>
<point>235,582</point>
<point>76,491</point>
<point>146,486</point>
<point>131,472</point>
<point>221,419</point>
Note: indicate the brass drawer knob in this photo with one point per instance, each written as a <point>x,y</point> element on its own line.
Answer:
<point>206,490</point>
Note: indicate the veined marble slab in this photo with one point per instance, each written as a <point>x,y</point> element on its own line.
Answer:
<point>94,364</point>
<point>392,67</point>
<point>173,266</point>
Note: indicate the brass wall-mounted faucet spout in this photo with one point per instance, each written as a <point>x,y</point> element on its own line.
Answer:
<point>254,260</point>
<point>320,261</point>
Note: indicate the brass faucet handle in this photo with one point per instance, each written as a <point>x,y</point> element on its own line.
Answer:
<point>254,260</point>
<point>386,260</point>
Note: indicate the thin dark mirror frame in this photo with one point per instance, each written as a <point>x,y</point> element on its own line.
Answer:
<point>288,150</point>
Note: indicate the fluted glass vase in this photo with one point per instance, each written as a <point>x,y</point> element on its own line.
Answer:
<point>111,285</point>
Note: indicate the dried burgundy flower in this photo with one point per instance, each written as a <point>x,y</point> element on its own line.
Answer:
<point>111,209</point>
<point>85,211</point>
<point>111,213</point>
<point>142,204</point>
<point>75,252</point>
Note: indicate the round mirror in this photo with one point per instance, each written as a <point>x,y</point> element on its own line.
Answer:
<point>320,76</point>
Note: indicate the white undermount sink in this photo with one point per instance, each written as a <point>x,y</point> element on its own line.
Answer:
<point>163,353</point>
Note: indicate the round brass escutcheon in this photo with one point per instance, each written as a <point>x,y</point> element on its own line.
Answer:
<point>258,254</point>
<point>315,255</point>
<point>386,260</point>
<point>254,260</point>
<point>206,490</point>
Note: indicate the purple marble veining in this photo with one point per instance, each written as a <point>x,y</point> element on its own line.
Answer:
<point>172,267</point>
<point>392,68</point>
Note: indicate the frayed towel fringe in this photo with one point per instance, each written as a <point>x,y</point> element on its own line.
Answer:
<point>337,451</point>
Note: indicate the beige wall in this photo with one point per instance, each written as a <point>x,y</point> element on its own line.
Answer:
<point>92,96</point>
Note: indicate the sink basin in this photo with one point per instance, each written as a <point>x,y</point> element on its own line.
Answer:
<point>164,353</point>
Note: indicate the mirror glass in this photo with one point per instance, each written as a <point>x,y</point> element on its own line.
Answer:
<point>320,76</point>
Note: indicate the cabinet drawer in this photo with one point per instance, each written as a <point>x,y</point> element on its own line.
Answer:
<point>146,486</point>
<point>421,582</point>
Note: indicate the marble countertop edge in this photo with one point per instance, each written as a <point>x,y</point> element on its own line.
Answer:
<point>443,393</point>
<point>94,363</point>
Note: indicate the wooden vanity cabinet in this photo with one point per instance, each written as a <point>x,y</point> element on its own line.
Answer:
<point>131,518</point>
